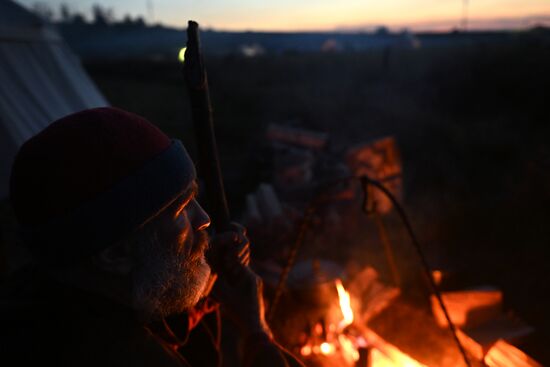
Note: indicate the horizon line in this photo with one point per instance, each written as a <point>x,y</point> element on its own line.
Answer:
<point>422,26</point>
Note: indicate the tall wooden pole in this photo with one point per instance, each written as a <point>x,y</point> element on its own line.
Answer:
<point>201,109</point>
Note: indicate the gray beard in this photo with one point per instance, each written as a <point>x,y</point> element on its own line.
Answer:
<point>166,283</point>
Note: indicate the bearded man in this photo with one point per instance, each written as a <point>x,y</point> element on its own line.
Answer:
<point>107,206</point>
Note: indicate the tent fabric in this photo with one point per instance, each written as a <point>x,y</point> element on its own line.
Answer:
<point>41,80</point>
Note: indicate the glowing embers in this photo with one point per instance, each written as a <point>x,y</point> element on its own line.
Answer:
<point>338,347</point>
<point>384,354</point>
<point>324,348</point>
<point>350,352</point>
<point>379,359</point>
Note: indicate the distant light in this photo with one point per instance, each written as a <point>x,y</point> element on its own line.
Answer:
<point>252,50</point>
<point>181,55</point>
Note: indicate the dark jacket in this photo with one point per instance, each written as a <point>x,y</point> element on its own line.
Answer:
<point>43,322</point>
<point>47,323</point>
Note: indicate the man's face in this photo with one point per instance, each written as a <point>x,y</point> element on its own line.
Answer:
<point>172,270</point>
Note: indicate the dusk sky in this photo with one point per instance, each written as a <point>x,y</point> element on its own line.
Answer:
<point>288,15</point>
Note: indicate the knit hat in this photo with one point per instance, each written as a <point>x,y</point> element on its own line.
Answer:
<point>93,177</point>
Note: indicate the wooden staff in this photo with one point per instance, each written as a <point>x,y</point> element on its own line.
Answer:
<point>201,109</point>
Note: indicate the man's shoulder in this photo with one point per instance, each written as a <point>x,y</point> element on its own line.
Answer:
<point>85,349</point>
<point>31,336</point>
<point>42,323</point>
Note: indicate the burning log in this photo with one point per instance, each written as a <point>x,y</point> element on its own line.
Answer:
<point>468,308</point>
<point>503,354</point>
<point>412,329</point>
<point>481,340</point>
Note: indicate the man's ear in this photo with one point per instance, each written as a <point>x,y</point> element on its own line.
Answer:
<point>117,259</point>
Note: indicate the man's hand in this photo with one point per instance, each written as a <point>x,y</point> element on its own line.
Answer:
<point>238,288</point>
<point>232,244</point>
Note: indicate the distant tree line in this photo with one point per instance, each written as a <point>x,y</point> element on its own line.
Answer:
<point>100,16</point>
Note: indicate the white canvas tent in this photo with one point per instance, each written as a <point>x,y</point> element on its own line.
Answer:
<point>41,80</point>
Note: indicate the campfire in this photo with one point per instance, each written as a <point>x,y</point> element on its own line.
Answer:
<point>331,321</point>
<point>327,325</point>
<point>346,343</point>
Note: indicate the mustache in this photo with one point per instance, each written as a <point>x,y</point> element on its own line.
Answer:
<point>201,243</point>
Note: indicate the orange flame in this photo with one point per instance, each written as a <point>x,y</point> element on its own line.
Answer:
<point>345,305</point>
<point>383,354</point>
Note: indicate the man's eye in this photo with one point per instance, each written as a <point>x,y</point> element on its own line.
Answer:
<point>181,210</point>
<point>184,206</point>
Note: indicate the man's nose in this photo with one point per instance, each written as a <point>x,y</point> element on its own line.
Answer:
<point>201,220</point>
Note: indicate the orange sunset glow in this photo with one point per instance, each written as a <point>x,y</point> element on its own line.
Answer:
<point>319,15</point>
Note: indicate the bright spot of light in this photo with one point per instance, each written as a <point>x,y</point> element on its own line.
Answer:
<point>345,304</point>
<point>327,348</point>
<point>181,55</point>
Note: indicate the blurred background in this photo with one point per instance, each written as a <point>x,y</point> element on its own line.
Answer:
<point>461,86</point>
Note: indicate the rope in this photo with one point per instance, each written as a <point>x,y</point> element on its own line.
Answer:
<point>425,265</point>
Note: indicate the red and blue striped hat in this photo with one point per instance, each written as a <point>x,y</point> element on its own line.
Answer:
<point>93,177</point>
